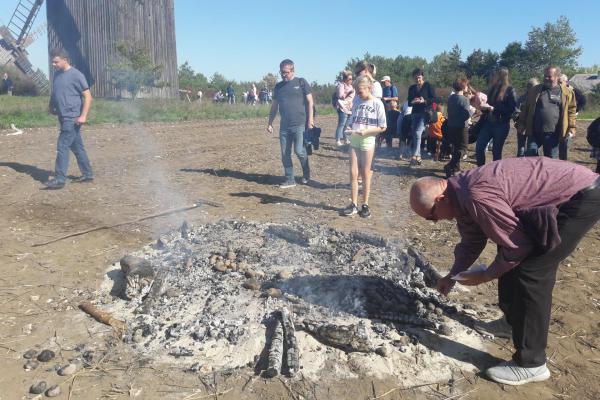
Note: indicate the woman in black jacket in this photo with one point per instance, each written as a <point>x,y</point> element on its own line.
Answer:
<point>502,104</point>
<point>420,97</point>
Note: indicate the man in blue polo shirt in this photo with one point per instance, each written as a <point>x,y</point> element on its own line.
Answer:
<point>390,92</point>
<point>293,99</point>
<point>70,101</point>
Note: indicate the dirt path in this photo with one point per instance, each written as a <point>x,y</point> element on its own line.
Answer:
<point>141,170</point>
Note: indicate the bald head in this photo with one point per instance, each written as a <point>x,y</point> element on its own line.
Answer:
<point>425,192</point>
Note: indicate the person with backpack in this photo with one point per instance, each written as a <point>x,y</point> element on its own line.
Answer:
<point>342,101</point>
<point>292,98</point>
<point>593,138</point>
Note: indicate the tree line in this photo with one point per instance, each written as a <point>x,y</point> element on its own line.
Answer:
<point>554,43</point>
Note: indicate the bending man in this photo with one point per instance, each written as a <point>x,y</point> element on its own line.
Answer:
<point>536,210</point>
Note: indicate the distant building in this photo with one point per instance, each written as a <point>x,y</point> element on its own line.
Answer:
<point>585,82</point>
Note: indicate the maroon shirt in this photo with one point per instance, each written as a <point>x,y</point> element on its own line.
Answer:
<point>486,200</point>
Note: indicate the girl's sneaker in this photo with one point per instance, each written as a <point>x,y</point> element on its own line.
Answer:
<point>350,210</point>
<point>364,211</point>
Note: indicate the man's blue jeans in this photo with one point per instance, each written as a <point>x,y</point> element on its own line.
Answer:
<point>548,140</point>
<point>342,119</point>
<point>418,127</point>
<point>293,135</point>
<point>70,139</point>
<point>498,131</point>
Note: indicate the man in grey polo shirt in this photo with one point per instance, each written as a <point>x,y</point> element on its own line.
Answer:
<point>70,101</point>
<point>293,100</point>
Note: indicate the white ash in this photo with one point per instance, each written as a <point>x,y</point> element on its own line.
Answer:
<point>333,281</point>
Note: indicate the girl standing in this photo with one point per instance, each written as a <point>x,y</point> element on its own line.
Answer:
<point>366,122</point>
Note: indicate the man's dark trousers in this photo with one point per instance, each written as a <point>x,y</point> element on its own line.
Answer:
<point>70,139</point>
<point>525,292</point>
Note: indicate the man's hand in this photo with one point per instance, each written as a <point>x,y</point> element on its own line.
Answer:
<point>445,285</point>
<point>474,278</point>
<point>571,132</point>
<point>311,123</point>
<point>270,128</point>
<point>82,119</point>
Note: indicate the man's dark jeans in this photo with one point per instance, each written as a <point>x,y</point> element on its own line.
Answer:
<point>525,292</point>
<point>70,139</point>
<point>549,141</point>
<point>458,137</point>
<point>288,137</point>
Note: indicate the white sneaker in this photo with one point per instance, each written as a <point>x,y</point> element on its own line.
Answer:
<point>287,184</point>
<point>509,373</point>
<point>339,143</point>
<point>498,328</point>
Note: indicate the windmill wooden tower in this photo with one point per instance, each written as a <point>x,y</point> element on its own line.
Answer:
<point>90,30</point>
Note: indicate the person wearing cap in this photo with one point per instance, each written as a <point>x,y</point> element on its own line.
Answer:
<point>390,92</point>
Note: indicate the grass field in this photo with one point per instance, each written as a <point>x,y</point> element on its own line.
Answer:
<point>30,112</point>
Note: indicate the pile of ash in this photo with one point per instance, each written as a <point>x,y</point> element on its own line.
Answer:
<point>210,293</point>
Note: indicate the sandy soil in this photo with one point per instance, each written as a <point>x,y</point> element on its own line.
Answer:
<point>142,170</point>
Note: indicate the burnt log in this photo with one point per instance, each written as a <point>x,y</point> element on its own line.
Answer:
<point>430,274</point>
<point>354,337</point>
<point>156,290</point>
<point>291,351</point>
<point>275,351</point>
<point>139,275</point>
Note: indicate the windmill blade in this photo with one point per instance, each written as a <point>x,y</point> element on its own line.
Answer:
<point>34,35</point>
<point>15,37</point>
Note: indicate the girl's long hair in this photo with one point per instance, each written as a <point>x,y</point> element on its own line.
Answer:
<point>500,83</point>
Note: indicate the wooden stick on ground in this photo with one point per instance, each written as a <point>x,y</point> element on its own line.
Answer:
<point>161,214</point>
<point>102,316</point>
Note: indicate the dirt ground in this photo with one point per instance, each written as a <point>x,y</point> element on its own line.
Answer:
<point>146,169</point>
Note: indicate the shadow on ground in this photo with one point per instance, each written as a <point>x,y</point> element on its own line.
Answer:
<point>38,174</point>
<point>262,179</point>
<point>271,199</point>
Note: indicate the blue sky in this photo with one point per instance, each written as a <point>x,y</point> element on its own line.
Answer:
<point>244,40</point>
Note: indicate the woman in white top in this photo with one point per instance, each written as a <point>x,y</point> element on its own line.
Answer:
<point>343,105</point>
<point>364,68</point>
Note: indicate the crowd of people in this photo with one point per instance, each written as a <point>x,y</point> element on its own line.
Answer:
<point>252,96</point>
<point>535,209</point>
<point>544,116</point>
